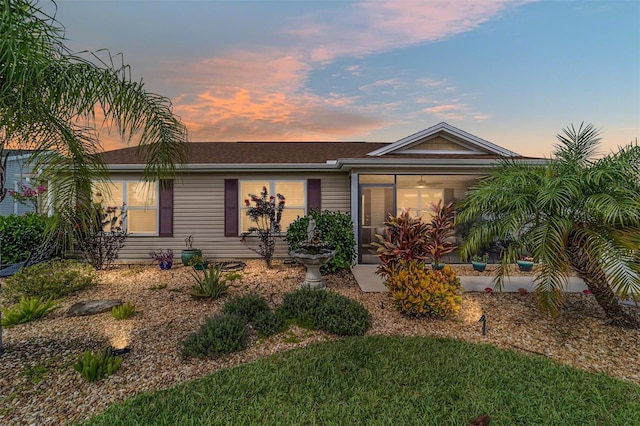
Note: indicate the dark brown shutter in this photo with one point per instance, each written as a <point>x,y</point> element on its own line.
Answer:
<point>314,196</point>
<point>231,207</point>
<point>165,204</point>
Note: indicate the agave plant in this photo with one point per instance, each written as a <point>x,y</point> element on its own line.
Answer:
<point>213,283</point>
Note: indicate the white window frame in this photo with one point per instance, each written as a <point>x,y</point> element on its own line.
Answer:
<point>129,208</point>
<point>242,210</point>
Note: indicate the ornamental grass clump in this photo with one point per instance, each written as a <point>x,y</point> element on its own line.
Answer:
<point>419,292</point>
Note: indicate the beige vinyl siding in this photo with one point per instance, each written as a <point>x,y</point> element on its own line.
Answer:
<point>438,144</point>
<point>199,210</point>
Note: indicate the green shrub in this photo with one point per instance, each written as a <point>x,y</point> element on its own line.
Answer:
<point>94,367</point>
<point>28,309</point>
<point>246,306</point>
<point>302,305</point>
<point>268,323</point>
<point>420,292</point>
<point>213,284</point>
<point>337,231</point>
<point>125,311</point>
<point>223,334</point>
<point>20,234</point>
<point>327,311</point>
<point>343,316</point>
<point>48,280</point>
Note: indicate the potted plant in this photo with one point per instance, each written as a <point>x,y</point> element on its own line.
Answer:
<point>198,263</point>
<point>479,263</point>
<point>189,252</point>
<point>164,258</point>
<point>525,264</point>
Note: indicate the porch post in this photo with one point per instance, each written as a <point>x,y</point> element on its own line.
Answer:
<point>355,209</point>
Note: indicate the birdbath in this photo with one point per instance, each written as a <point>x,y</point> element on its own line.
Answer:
<point>313,253</point>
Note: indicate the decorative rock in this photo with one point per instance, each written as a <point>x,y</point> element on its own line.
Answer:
<point>92,307</point>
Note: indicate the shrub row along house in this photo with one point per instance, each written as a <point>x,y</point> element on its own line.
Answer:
<point>369,180</point>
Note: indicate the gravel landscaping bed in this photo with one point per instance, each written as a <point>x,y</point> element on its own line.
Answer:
<point>39,386</point>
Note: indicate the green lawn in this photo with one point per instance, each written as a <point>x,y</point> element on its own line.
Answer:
<point>389,380</point>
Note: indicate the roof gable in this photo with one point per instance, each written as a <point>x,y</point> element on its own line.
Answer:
<point>442,139</point>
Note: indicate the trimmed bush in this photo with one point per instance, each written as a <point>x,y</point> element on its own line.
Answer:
<point>94,367</point>
<point>343,316</point>
<point>247,306</point>
<point>420,292</point>
<point>268,323</point>
<point>327,311</point>
<point>302,305</point>
<point>28,309</point>
<point>20,234</point>
<point>223,334</point>
<point>48,280</point>
<point>337,231</point>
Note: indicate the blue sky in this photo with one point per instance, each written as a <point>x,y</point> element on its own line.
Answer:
<point>512,72</point>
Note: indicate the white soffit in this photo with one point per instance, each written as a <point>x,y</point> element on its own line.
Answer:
<point>473,144</point>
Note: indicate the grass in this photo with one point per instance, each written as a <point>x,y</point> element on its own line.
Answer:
<point>389,380</point>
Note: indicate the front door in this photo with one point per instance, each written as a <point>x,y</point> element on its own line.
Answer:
<point>376,204</point>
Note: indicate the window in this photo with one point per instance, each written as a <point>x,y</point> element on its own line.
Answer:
<point>419,201</point>
<point>292,190</point>
<point>141,200</point>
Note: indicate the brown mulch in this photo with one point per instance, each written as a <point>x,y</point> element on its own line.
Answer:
<point>166,314</point>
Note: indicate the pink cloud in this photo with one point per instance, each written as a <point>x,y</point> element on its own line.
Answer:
<point>261,94</point>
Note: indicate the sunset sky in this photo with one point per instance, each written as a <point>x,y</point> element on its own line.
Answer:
<point>512,72</point>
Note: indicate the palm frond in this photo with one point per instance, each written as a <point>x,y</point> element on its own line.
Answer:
<point>577,146</point>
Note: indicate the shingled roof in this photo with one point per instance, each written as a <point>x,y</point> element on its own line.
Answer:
<point>278,153</point>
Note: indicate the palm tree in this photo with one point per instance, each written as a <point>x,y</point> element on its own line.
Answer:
<point>53,101</point>
<point>574,214</point>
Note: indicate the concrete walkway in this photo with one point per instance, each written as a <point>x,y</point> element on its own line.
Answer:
<point>369,282</point>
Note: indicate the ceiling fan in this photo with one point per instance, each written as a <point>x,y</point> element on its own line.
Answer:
<point>424,184</point>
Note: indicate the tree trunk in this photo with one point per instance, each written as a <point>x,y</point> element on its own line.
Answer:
<point>596,280</point>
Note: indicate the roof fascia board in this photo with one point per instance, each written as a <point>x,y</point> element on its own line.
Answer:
<point>444,127</point>
<point>383,163</point>
<point>234,167</point>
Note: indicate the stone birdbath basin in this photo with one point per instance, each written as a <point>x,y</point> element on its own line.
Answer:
<point>313,253</point>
